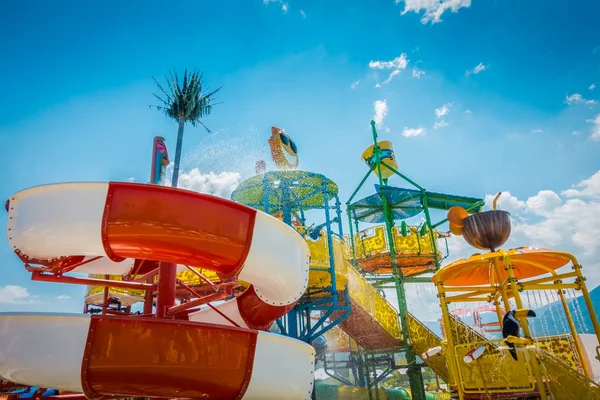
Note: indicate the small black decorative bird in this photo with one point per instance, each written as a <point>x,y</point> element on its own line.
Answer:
<point>511,326</point>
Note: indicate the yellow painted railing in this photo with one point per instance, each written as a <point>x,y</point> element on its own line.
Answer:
<point>131,296</point>
<point>495,371</point>
<point>318,277</point>
<point>127,296</point>
<point>442,396</point>
<point>369,298</point>
<point>563,381</point>
<point>373,241</point>
<point>423,339</point>
<point>562,347</point>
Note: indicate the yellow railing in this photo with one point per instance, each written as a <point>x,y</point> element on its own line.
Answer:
<point>463,333</point>
<point>373,241</point>
<point>186,276</point>
<point>363,293</point>
<point>441,396</point>
<point>495,371</point>
<point>133,294</point>
<point>562,347</point>
<point>423,339</point>
<point>563,381</point>
<point>318,277</point>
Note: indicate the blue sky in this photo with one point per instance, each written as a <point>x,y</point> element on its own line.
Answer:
<point>512,83</point>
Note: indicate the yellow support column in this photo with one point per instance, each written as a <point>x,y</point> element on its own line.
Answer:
<point>582,356</point>
<point>451,357</point>
<point>498,312</point>
<point>531,358</point>
<point>586,296</point>
<point>502,288</point>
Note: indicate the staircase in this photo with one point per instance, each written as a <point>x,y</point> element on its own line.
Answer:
<point>373,322</point>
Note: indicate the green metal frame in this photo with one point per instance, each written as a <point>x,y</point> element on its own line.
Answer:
<point>397,278</point>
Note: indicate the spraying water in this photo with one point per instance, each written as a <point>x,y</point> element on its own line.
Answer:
<point>577,311</point>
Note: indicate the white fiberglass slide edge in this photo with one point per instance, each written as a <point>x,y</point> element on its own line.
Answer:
<point>277,263</point>
<point>44,350</point>
<point>65,219</point>
<point>230,308</point>
<point>283,369</point>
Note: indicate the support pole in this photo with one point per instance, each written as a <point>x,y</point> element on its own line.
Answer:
<point>451,356</point>
<point>582,356</point>
<point>586,296</point>
<point>502,288</point>
<point>414,371</point>
<point>105,297</point>
<point>167,278</point>
<point>148,299</point>
<point>532,359</point>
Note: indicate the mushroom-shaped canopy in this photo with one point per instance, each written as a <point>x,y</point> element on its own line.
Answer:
<point>479,269</point>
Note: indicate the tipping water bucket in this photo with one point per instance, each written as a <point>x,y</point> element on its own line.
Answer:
<point>387,157</point>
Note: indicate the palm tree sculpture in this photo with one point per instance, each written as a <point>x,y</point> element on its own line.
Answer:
<point>185,103</point>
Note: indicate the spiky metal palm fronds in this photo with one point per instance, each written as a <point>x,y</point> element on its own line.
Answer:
<point>189,102</point>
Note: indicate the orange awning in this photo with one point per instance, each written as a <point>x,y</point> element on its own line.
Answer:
<point>479,269</point>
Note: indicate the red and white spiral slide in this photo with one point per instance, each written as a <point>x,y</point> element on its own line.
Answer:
<point>205,355</point>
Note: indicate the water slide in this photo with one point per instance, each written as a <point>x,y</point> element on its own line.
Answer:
<point>109,225</point>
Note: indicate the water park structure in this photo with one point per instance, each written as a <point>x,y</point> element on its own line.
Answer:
<point>246,298</point>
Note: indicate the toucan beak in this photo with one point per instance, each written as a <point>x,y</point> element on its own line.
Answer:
<point>524,313</point>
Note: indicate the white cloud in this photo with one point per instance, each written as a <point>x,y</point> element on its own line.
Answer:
<point>544,203</point>
<point>537,130</point>
<point>396,65</point>
<point>433,9</point>
<point>355,84</point>
<point>592,86</point>
<point>439,115</point>
<point>13,294</point>
<point>417,73</point>
<point>573,224</point>
<point>545,220</point>
<point>467,111</point>
<point>587,188</point>
<point>506,202</point>
<point>577,98</point>
<point>131,179</point>
<point>381,110</point>
<point>222,184</point>
<point>477,69</point>
<point>391,76</point>
<point>399,62</point>
<point>443,110</point>
<point>413,132</point>
<point>595,128</point>
<point>440,124</point>
<point>576,133</point>
<point>284,6</point>
<point>302,14</point>
<point>63,297</point>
